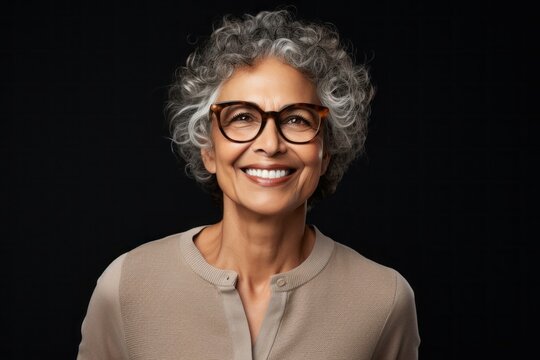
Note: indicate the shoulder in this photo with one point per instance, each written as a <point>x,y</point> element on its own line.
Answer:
<point>149,267</point>
<point>356,266</point>
<point>108,282</point>
<point>363,278</point>
<point>361,267</point>
<point>106,290</point>
<point>141,259</point>
<point>160,250</point>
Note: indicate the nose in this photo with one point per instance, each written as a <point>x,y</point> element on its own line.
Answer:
<point>270,141</point>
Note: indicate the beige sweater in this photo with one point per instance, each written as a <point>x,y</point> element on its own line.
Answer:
<point>162,300</point>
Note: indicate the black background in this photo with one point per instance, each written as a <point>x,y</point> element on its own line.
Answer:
<point>446,194</point>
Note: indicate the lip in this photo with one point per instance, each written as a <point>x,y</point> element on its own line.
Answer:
<point>268,182</point>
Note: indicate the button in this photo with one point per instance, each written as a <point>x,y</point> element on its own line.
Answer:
<point>229,277</point>
<point>281,282</point>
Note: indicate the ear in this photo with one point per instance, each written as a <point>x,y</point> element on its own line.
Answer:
<point>209,159</point>
<point>325,162</point>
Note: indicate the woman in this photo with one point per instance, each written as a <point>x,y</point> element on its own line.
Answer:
<point>268,115</point>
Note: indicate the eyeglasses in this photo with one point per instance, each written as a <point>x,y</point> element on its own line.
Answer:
<point>242,121</point>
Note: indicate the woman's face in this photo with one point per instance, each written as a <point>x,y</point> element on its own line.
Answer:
<point>293,169</point>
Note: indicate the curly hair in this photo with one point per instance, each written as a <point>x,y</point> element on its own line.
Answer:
<point>315,49</point>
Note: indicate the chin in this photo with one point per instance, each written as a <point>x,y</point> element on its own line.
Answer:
<point>270,207</point>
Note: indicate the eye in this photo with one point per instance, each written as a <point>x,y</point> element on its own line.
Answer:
<point>242,117</point>
<point>297,121</point>
<point>241,120</point>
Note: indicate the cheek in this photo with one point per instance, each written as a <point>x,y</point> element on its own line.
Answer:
<point>227,155</point>
<point>313,165</point>
<point>314,158</point>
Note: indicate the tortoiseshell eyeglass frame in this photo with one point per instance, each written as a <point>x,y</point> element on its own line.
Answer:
<point>216,109</point>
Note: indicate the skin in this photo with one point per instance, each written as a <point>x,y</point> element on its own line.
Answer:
<point>263,231</point>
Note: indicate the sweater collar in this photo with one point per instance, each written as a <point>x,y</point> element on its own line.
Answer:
<point>286,281</point>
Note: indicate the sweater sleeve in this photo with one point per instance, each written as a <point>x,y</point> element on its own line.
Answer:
<point>102,329</point>
<point>400,339</point>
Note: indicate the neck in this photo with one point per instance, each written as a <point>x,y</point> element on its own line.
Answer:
<point>257,246</point>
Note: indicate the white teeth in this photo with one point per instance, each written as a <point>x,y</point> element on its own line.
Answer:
<point>267,174</point>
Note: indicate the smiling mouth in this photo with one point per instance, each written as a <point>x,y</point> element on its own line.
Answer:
<point>268,174</point>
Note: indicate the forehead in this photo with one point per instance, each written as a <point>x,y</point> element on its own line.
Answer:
<point>270,83</point>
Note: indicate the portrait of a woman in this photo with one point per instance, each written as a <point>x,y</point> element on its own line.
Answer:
<point>268,114</point>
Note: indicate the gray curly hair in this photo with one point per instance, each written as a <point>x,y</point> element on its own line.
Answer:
<point>312,48</point>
